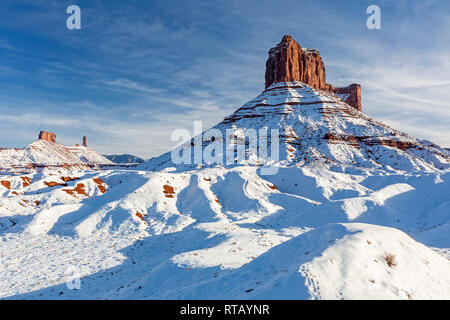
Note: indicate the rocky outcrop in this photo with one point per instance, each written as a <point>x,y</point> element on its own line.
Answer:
<point>47,136</point>
<point>288,61</point>
<point>84,141</point>
<point>351,95</point>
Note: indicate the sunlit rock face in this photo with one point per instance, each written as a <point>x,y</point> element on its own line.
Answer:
<point>47,136</point>
<point>289,62</point>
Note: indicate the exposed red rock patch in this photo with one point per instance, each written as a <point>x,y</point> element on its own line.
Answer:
<point>6,184</point>
<point>402,145</point>
<point>140,216</point>
<point>26,181</point>
<point>207,179</point>
<point>54,184</point>
<point>369,141</point>
<point>67,179</point>
<point>216,199</point>
<point>273,187</point>
<point>390,260</point>
<point>169,192</point>
<point>344,112</point>
<point>36,202</point>
<point>68,191</point>
<point>15,193</point>
<point>100,184</point>
<point>346,139</point>
<point>79,189</point>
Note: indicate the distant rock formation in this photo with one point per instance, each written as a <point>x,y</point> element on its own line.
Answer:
<point>47,136</point>
<point>123,158</point>
<point>289,62</point>
<point>45,152</point>
<point>85,141</point>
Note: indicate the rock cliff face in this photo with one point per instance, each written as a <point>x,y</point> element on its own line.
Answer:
<point>288,62</point>
<point>84,141</point>
<point>353,95</point>
<point>47,136</point>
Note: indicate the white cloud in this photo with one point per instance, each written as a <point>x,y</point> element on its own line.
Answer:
<point>128,84</point>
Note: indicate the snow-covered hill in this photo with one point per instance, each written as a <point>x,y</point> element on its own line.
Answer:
<point>123,158</point>
<point>318,127</point>
<point>45,153</point>
<point>89,155</point>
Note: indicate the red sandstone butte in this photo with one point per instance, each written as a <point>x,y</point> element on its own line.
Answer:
<point>47,136</point>
<point>289,62</point>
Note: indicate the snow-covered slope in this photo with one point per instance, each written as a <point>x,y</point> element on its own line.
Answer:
<point>42,152</point>
<point>89,155</point>
<point>304,233</point>
<point>356,210</point>
<point>123,158</point>
<point>317,127</point>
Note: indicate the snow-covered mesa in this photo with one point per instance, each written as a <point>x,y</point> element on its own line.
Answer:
<point>356,210</point>
<point>45,153</point>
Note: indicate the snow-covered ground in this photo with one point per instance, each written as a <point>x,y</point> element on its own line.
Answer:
<point>226,233</point>
<point>356,210</point>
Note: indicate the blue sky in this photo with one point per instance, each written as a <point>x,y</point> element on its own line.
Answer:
<point>139,69</point>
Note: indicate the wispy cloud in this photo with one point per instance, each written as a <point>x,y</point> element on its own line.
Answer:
<point>132,85</point>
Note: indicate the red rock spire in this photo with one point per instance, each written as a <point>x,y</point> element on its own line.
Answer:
<point>289,62</point>
<point>84,141</point>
